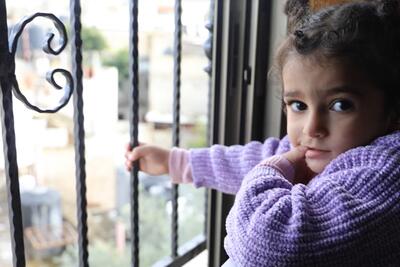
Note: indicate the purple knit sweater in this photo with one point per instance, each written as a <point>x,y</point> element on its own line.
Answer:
<point>348,215</point>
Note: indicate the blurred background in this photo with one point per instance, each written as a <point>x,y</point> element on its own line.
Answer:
<point>45,142</point>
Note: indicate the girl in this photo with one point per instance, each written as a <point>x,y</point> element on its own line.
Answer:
<point>327,194</point>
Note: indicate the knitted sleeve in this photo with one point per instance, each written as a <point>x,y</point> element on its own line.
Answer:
<point>349,215</point>
<point>223,168</point>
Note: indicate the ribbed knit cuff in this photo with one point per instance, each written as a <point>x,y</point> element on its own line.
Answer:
<point>281,164</point>
<point>179,167</point>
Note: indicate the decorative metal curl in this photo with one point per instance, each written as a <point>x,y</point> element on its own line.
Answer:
<point>50,78</point>
<point>47,48</point>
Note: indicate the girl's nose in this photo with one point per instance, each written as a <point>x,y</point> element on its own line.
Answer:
<point>315,125</point>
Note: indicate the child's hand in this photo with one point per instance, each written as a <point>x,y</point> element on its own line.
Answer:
<point>296,156</point>
<point>153,160</point>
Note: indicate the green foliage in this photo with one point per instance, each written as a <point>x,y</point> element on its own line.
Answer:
<point>154,228</point>
<point>154,236</point>
<point>105,254</point>
<point>120,60</point>
<point>92,39</point>
<point>191,221</point>
<point>200,138</point>
<point>100,254</point>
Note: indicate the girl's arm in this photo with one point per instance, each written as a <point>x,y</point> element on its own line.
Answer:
<point>348,215</point>
<point>224,167</point>
<point>218,167</point>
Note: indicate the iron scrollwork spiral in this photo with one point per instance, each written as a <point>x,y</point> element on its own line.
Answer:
<point>47,48</point>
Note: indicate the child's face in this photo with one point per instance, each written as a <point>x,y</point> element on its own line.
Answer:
<point>330,109</point>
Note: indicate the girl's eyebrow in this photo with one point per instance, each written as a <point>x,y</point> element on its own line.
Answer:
<point>331,91</point>
<point>292,93</point>
<point>344,89</point>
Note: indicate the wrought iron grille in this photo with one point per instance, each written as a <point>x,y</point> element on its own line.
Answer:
<point>74,88</point>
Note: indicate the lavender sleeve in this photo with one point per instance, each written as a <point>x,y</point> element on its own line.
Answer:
<point>224,167</point>
<point>349,215</point>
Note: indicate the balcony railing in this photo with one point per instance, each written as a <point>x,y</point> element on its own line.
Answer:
<point>74,88</point>
<point>241,104</point>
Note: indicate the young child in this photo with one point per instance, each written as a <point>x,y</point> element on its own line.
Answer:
<point>327,194</point>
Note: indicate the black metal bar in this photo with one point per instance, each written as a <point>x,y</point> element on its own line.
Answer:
<point>134,76</point>
<point>216,70</point>
<point>11,171</point>
<point>245,68</point>
<point>176,117</point>
<point>79,132</point>
<point>214,123</point>
<point>9,148</point>
<point>260,68</point>
<point>211,227</point>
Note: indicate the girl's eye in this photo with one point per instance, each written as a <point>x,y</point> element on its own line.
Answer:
<point>341,105</point>
<point>297,106</point>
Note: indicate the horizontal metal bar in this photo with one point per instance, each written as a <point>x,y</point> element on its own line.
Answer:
<point>185,253</point>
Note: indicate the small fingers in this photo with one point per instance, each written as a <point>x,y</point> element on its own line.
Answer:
<point>133,154</point>
<point>296,154</point>
<point>130,156</point>
<point>128,147</point>
<point>300,150</point>
<point>128,165</point>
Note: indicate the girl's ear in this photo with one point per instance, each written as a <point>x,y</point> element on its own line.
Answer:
<point>296,11</point>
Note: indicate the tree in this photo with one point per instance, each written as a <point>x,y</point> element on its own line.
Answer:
<point>120,60</point>
<point>92,39</point>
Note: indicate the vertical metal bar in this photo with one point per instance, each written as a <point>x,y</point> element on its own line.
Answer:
<point>208,48</point>
<point>79,132</point>
<point>245,68</point>
<point>134,76</point>
<point>259,59</point>
<point>9,148</point>
<point>212,219</point>
<point>176,116</point>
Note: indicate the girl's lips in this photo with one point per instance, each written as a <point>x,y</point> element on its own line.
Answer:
<point>315,153</point>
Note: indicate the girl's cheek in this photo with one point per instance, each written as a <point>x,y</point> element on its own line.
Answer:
<point>294,131</point>
<point>294,138</point>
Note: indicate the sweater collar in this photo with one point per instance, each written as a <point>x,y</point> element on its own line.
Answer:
<point>392,139</point>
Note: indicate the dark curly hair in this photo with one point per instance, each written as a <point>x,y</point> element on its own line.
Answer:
<point>362,34</point>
